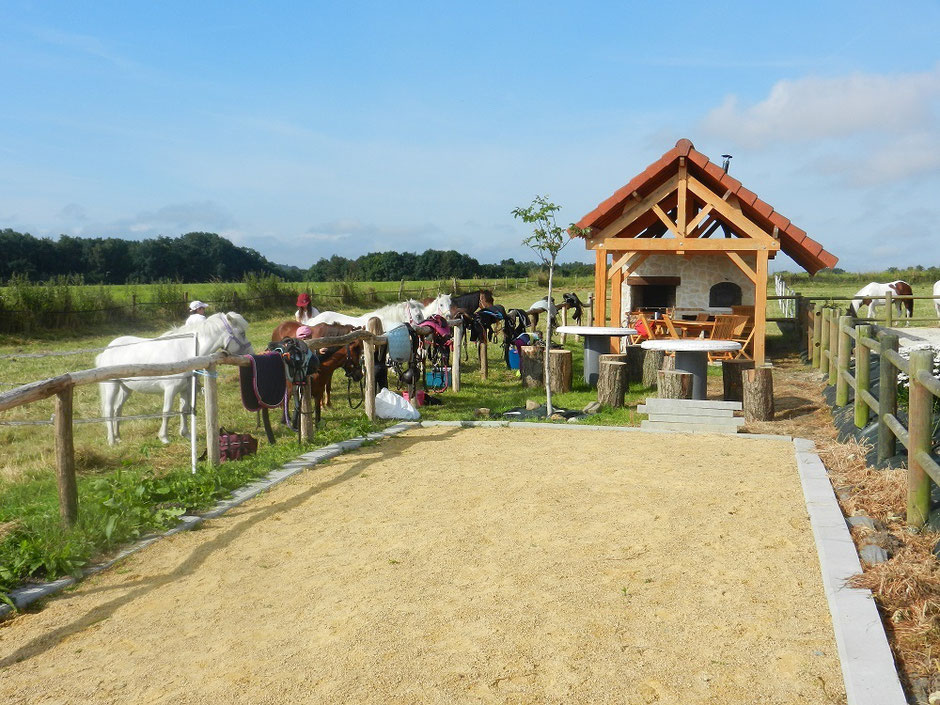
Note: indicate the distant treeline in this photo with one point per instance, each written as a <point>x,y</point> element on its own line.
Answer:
<point>194,257</point>
<point>201,257</point>
<point>429,265</point>
<point>912,275</point>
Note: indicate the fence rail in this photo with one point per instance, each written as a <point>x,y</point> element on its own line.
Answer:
<point>62,388</point>
<point>834,341</point>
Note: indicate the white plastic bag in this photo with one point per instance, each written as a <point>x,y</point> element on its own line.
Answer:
<point>389,405</point>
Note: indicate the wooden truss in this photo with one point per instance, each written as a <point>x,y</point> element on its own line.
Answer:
<point>679,218</point>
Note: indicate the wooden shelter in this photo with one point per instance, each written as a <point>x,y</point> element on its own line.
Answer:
<point>674,208</point>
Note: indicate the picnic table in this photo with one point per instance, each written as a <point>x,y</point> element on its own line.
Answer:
<point>596,343</point>
<point>692,357</point>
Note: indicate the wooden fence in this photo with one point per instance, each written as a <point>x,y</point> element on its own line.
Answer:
<point>63,386</point>
<point>837,345</point>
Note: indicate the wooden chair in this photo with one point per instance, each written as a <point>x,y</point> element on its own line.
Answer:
<point>666,321</point>
<point>725,326</point>
<point>744,334</point>
<point>640,317</point>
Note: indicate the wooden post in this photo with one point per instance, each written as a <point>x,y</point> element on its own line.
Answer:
<point>800,313</point>
<point>564,322</point>
<point>483,356</point>
<point>833,346</point>
<point>612,383</point>
<point>732,378</point>
<point>401,290</point>
<point>531,368</point>
<point>370,348</point>
<point>920,427</point>
<point>616,285</point>
<point>674,384</point>
<point>760,308</point>
<point>825,329</point>
<point>887,397</point>
<point>559,370</point>
<point>212,415</point>
<point>306,417</point>
<point>862,376</point>
<point>134,305</point>
<point>889,309</point>
<point>65,458</point>
<point>816,352</point>
<point>600,288</point>
<point>634,355</point>
<point>455,358</point>
<point>842,364</point>
<point>590,306</point>
<point>652,363</point>
<point>759,394</point>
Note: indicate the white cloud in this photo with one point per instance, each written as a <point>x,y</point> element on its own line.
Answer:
<point>813,107</point>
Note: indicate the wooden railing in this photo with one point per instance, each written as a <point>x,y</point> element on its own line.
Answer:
<point>833,341</point>
<point>62,388</point>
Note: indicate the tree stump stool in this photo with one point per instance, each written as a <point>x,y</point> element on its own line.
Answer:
<point>759,394</point>
<point>652,364</point>
<point>674,384</point>
<point>732,379</point>
<point>531,366</point>
<point>612,383</point>
<point>634,357</point>
<point>559,370</point>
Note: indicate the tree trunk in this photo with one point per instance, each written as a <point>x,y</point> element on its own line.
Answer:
<point>612,383</point>
<point>635,355</point>
<point>531,369</point>
<point>759,394</point>
<point>673,384</point>
<point>548,341</point>
<point>732,378</point>
<point>559,370</point>
<point>652,363</point>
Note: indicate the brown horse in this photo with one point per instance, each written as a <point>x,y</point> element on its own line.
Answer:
<point>331,359</point>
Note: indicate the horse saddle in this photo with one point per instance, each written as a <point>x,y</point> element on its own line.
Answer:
<point>299,360</point>
<point>438,324</point>
<point>264,383</point>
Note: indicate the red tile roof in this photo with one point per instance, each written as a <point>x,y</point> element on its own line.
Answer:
<point>808,253</point>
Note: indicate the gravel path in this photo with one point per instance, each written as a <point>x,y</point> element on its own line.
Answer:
<point>452,565</point>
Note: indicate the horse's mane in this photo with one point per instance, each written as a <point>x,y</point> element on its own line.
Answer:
<point>235,319</point>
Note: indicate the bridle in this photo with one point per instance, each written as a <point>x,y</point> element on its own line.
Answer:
<point>243,344</point>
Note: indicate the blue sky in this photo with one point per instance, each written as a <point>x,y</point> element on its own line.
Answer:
<point>308,129</point>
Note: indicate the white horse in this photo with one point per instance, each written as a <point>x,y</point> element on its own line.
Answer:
<point>936,301</point>
<point>409,311</point>
<point>873,295</point>
<point>220,331</point>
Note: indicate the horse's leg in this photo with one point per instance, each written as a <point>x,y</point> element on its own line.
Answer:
<point>185,409</point>
<point>121,395</point>
<point>325,394</point>
<point>268,431</point>
<point>108,390</point>
<point>168,393</point>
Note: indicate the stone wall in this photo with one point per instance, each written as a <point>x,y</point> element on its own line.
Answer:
<point>698,274</point>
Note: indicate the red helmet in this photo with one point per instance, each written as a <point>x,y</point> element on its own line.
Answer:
<point>303,300</point>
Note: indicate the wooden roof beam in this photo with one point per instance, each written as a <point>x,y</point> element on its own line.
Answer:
<point>732,215</point>
<point>636,209</point>
<point>649,244</point>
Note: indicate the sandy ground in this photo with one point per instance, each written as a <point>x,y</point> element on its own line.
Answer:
<point>475,565</point>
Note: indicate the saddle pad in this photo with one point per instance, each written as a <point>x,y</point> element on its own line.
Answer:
<point>264,384</point>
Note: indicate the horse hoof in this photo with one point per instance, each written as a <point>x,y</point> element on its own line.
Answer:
<point>165,441</point>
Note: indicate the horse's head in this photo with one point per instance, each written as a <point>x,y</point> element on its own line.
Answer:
<point>486,298</point>
<point>352,366</point>
<point>442,305</point>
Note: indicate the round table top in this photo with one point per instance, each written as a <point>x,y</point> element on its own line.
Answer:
<point>691,345</point>
<point>608,331</point>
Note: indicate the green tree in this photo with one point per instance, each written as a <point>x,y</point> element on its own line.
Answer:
<point>547,240</point>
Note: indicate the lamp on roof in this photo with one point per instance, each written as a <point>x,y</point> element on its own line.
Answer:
<point>726,163</point>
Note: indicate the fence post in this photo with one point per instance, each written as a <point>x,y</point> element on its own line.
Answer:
<point>842,366</point>
<point>306,429</point>
<point>373,325</point>
<point>887,397</point>
<point>862,375</point>
<point>919,427</point>
<point>401,290</point>
<point>816,353</point>
<point>134,305</point>
<point>889,309</point>
<point>455,358</point>
<point>799,314</point>
<point>65,458</point>
<point>833,346</point>
<point>235,300</point>
<point>212,416</point>
<point>483,355</point>
<point>825,328</point>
